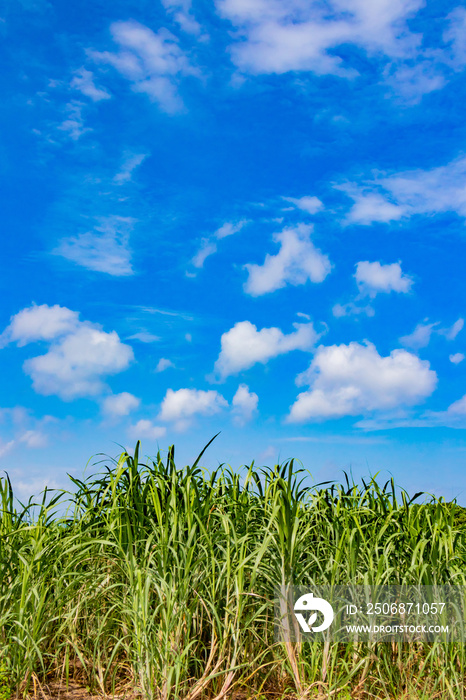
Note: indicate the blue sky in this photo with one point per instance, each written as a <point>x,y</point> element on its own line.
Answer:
<point>243,216</point>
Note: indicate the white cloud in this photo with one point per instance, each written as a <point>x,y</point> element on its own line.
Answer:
<point>105,249</point>
<point>182,13</point>
<point>243,345</point>
<point>456,358</point>
<point>375,277</point>
<point>180,407</point>
<point>39,323</point>
<point>163,364</point>
<point>297,261</point>
<point>309,204</point>
<point>73,125</point>
<point>120,404</point>
<point>80,353</point>
<point>453,417</point>
<point>349,380</point>
<point>455,35</point>
<point>34,439</point>
<point>451,333</point>
<point>73,366</point>
<point>420,337</point>
<point>244,405</point>
<point>6,447</point>
<point>84,82</point>
<point>408,193</point>
<point>146,429</point>
<point>229,228</point>
<point>276,36</point>
<point>457,408</point>
<point>144,337</point>
<point>130,164</point>
<point>207,248</point>
<point>152,62</point>
<point>412,82</point>
<point>352,308</point>
<point>370,207</point>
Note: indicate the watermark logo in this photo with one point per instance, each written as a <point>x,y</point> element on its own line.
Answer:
<point>307,603</point>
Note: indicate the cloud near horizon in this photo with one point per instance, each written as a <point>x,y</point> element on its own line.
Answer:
<point>353,379</point>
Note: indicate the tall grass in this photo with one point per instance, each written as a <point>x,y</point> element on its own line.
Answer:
<point>158,581</point>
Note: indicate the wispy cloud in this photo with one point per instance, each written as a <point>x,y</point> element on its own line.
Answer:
<point>153,62</point>
<point>84,81</point>
<point>404,194</point>
<point>209,244</point>
<point>130,163</point>
<point>73,124</point>
<point>421,335</point>
<point>309,204</point>
<point>182,13</point>
<point>104,249</point>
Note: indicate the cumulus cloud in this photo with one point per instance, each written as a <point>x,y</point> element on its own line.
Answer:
<point>146,429</point>
<point>243,345</point>
<point>244,405</point>
<point>152,62</point>
<point>36,323</point>
<point>182,406</point>
<point>104,249</point>
<point>74,365</point>
<point>311,205</point>
<point>350,380</point>
<point>297,262</point>
<point>456,358</point>
<point>278,36</point>
<point>374,277</point>
<point>80,353</point>
<point>163,364</point>
<point>118,405</point>
<point>84,82</point>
